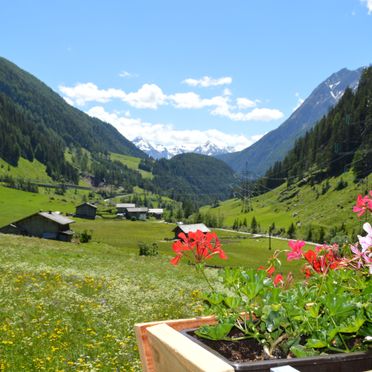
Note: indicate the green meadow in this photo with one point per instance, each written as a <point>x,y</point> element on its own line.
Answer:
<point>319,206</point>
<point>132,163</point>
<point>25,169</point>
<point>72,306</point>
<point>15,204</point>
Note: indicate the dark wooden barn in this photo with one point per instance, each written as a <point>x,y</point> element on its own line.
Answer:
<point>86,210</point>
<point>137,213</point>
<point>47,225</point>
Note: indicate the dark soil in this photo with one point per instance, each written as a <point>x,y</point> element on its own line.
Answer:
<point>238,351</point>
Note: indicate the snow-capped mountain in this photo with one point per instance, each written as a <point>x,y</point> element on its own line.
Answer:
<point>161,151</point>
<point>212,149</point>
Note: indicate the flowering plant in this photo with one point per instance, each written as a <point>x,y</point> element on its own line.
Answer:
<point>330,311</point>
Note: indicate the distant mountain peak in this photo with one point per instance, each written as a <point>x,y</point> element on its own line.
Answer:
<point>161,151</point>
<point>274,145</point>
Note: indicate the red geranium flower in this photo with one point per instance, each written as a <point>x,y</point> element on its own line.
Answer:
<point>363,204</point>
<point>278,279</point>
<point>197,246</point>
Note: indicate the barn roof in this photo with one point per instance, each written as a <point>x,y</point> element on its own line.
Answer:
<point>53,216</point>
<point>140,210</point>
<point>193,228</point>
<point>86,203</point>
<point>56,217</point>
<point>156,210</point>
<point>125,205</point>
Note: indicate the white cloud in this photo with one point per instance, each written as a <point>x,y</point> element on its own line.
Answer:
<point>148,96</point>
<point>88,92</point>
<point>245,103</point>
<point>207,81</point>
<point>127,75</point>
<point>257,114</point>
<point>191,100</point>
<point>300,101</point>
<point>167,135</point>
<point>368,4</point>
<point>151,96</point>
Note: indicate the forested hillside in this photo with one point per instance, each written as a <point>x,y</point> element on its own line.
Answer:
<point>198,179</point>
<point>340,141</point>
<point>36,122</point>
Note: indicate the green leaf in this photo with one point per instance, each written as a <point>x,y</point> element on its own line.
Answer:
<point>313,342</point>
<point>232,302</point>
<point>352,327</point>
<point>213,298</point>
<point>300,351</point>
<point>215,332</point>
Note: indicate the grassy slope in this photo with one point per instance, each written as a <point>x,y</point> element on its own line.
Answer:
<point>15,204</point>
<point>73,306</point>
<point>132,163</point>
<point>307,207</point>
<point>34,171</point>
<point>69,306</point>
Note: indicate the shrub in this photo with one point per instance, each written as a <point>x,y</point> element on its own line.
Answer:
<point>147,249</point>
<point>85,236</point>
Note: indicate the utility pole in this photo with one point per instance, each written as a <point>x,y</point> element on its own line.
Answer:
<point>270,237</point>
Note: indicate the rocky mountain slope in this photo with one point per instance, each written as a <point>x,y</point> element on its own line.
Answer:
<point>274,145</point>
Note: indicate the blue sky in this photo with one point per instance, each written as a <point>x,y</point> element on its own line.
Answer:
<point>184,72</point>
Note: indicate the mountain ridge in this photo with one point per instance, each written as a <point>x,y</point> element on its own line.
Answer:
<point>160,151</point>
<point>33,96</point>
<point>273,146</point>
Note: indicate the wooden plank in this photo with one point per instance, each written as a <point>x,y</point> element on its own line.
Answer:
<point>178,324</point>
<point>173,352</point>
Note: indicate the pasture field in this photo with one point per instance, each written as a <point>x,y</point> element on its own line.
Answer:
<point>26,169</point>
<point>15,204</point>
<point>132,163</point>
<point>319,205</point>
<point>72,307</point>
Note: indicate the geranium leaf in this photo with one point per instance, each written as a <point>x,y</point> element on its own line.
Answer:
<point>215,332</point>
<point>300,351</point>
<point>232,302</point>
<point>313,342</point>
<point>352,327</point>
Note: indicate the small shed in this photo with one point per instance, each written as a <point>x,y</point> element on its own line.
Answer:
<point>47,225</point>
<point>137,213</point>
<point>156,212</point>
<point>86,210</point>
<point>121,208</point>
<point>189,228</point>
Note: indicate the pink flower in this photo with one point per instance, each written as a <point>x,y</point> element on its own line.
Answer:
<point>366,241</point>
<point>296,252</point>
<point>363,256</point>
<point>363,204</point>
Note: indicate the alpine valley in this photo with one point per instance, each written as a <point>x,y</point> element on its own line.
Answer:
<point>72,305</point>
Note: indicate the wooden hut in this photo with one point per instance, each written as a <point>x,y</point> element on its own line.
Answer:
<point>156,212</point>
<point>188,228</point>
<point>86,210</point>
<point>137,213</point>
<point>121,208</point>
<point>47,225</point>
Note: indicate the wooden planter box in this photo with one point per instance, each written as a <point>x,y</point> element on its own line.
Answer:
<point>163,347</point>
